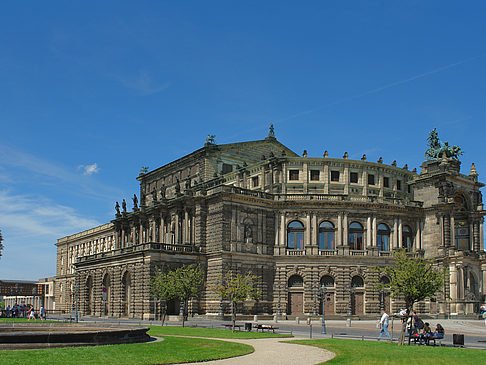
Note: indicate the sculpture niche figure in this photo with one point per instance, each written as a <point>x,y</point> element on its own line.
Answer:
<point>124,206</point>
<point>437,150</point>
<point>162,192</point>
<point>135,201</point>
<point>154,195</point>
<point>248,237</point>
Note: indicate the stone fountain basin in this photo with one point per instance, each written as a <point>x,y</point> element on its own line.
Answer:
<point>40,335</point>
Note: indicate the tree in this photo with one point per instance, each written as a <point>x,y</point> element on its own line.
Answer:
<point>183,283</point>
<point>237,288</point>
<point>413,278</point>
<point>1,244</point>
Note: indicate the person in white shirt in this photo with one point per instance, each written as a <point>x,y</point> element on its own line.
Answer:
<point>384,325</point>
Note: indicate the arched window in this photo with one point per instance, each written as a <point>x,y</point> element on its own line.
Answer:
<point>355,236</point>
<point>295,235</point>
<point>407,238</point>
<point>383,237</point>
<point>357,282</point>
<point>106,293</point>
<point>385,280</point>
<point>126,298</point>
<point>296,281</point>
<point>326,236</point>
<point>327,281</point>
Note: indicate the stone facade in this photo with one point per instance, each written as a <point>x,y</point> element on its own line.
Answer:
<point>298,223</point>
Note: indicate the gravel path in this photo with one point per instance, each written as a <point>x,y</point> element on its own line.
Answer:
<point>271,351</point>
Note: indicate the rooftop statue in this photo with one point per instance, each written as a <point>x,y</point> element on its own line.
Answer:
<point>436,149</point>
<point>271,131</point>
<point>210,139</point>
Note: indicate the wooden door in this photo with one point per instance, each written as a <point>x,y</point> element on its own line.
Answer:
<point>296,301</point>
<point>328,304</point>
<point>387,303</point>
<point>357,303</point>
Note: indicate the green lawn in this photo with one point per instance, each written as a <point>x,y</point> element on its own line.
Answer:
<point>370,352</point>
<point>208,332</point>
<point>171,350</point>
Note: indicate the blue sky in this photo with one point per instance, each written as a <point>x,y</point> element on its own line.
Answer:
<point>92,91</point>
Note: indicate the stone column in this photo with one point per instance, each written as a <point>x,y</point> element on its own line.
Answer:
<point>417,236</point>
<point>277,230</point>
<point>481,237</point>
<point>447,230</point>
<point>186,226</point>
<point>396,244</point>
<point>307,230</point>
<point>340,230</point>
<point>471,236</point>
<point>177,229</point>
<point>453,232</point>
<point>476,235</point>
<point>368,232</point>
<point>315,230</point>
<point>453,281</point>
<point>442,238</point>
<point>345,229</point>
<point>162,229</point>
<point>283,227</point>
<point>400,232</point>
<point>154,230</point>
<point>421,233</point>
<point>375,233</point>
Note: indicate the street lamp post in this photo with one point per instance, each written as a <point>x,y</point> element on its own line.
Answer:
<point>314,313</point>
<point>322,296</point>
<point>350,306</point>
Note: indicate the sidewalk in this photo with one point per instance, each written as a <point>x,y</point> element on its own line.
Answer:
<point>271,351</point>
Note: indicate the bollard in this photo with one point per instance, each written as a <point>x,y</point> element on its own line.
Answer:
<point>255,318</point>
<point>310,330</point>
<point>348,322</point>
<point>297,320</point>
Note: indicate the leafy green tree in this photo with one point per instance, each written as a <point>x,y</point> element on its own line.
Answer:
<point>183,283</point>
<point>237,288</point>
<point>412,278</point>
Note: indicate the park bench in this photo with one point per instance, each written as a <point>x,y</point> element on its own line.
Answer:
<point>265,327</point>
<point>230,326</point>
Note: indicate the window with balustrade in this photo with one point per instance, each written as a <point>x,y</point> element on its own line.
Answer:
<point>295,235</point>
<point>326,236</point>
<point>355,236</point>
<point>383,237</point>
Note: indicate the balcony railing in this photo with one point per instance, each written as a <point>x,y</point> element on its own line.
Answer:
<point>327,252</point>
<point>148,246</point>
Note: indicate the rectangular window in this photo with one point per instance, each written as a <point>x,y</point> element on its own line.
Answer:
<point>254,181</point>
<point>386,182</point>
<point>293,174</point>
<point>314,176</point>
<point>227,168</point>
<point>371,179</point>
<point>399,185</point>
<point>353,177</point>
<point>334,175</point>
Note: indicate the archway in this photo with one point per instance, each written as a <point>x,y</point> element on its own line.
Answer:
<point>126,295</point>
<point>296,295</point>
<point>106,294</point>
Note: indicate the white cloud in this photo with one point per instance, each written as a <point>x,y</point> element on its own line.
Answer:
<point>34,216</point>
<point>143,83</point>
<point>89,169</point>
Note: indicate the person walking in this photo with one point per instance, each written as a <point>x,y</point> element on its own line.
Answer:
<point>384,325</point>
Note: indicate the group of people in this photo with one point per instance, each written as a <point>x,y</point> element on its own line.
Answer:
<point>25,311</point>
<point>415,327</point>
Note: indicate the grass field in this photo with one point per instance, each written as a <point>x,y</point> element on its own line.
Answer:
<point>370,352</point>
<point>170,350</point>
<point>208,332</point>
